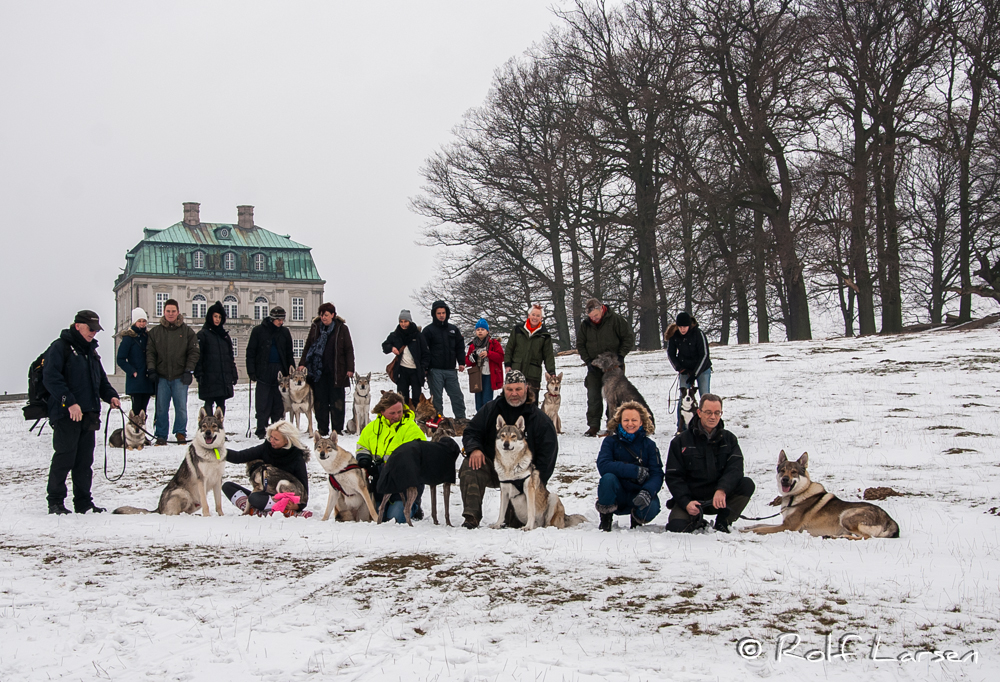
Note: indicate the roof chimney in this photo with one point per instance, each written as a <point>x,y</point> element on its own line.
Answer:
<point>245,220</point>
<point>191,213</point>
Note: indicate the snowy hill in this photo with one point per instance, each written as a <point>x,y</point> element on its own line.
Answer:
<point>238,598</point>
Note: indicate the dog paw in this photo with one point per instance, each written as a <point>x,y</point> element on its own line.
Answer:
<point>496,526</point>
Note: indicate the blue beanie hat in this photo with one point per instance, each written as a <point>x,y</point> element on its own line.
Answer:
<point>483,324</point>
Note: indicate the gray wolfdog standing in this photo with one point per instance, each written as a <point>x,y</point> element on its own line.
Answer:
<point>360,404</point>
<point>617,388</point>
<point>202,469</point>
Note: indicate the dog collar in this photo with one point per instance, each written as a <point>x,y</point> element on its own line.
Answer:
<point>217,455</point>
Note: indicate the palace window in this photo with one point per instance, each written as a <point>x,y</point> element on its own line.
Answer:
<point>161,299</point>
<point>229,261</point>
<point>298,309</point>
<point>229,304</point>
<point>259,262</point>
<point>298,345</point>
<point>260,308</point>
<point>198,306</point>
<point>198,260</point>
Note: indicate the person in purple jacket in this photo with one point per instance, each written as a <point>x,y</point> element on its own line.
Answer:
<point>630,467</point>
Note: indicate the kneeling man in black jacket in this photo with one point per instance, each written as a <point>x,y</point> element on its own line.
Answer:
<point>704,472</point>
<point>479,439</point>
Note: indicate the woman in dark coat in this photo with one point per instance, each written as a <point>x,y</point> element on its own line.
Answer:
<point>412,358</point>
<point>216,369</point>
<point>329,356</point>
<point>282,449</point>
<point>132,359</point>
<point>631,468</point>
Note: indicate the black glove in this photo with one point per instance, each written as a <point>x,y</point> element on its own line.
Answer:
<point>252,377</point>
<point>152,375</point>
<point>642,500</point>
<point>643,475</point>
<point>364,460</point>
<point>186,378</point>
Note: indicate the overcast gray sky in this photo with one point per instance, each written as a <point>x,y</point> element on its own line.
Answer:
<point>319,114</point>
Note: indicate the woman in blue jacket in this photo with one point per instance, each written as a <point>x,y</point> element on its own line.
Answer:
<point>630,467</point>
<point>132,359</point>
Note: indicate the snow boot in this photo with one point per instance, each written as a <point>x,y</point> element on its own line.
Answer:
<point>606,521</point>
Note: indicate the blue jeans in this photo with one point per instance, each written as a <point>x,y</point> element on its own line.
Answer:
<point>486,394</point>
<point>167,391</point>
<point>446,379</point>
<point>704,386</point>
<point>611,491</point>
<point>394,510</point>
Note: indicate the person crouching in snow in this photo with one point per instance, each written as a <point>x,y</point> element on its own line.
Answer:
<point>283,449</point>
<point>630,467</point>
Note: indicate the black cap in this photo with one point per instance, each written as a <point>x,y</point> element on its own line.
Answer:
<point>89,318</point>
<point>683,320</point>
<point>277,313</point>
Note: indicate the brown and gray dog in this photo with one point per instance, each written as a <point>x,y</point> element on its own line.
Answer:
<point>200,472</point>
<point>617,388</point>
<point>348,498</point>
<point>805,505</point>
<point>300,395</point>
<point>553,399</point>
<point>276,480</point>
<point>134,432</point>
<point>417,463</point>
<point>360,404</point>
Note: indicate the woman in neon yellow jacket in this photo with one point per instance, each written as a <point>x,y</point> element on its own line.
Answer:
<point>393,426</point>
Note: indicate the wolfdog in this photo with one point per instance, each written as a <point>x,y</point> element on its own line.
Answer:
<point>273,480</point>
<point>202,469</point>
<point>553,399</point>
<point>135,432</point>
<point>360,404</point>
<point>617,388</point>
<point>300,395</point>
<point>348,497</point>
<point>421,462</point>
<point>521,485</point>
<point>286,398</point>
<point>807,506</point>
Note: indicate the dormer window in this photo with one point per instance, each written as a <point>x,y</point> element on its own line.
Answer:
<point>259,262</point>
<point>229,261</point>
<point>198,260</point>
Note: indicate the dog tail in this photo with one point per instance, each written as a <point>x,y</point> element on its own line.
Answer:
<point>132,510</point>
<point>575,520</point>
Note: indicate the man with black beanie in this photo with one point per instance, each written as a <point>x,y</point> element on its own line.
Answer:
<point>269,351</point>
<point>77,383</point>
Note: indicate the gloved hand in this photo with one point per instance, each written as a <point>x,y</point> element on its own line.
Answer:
<point>364,460</point>
<point>152,375</point>
<point>186,378</point>
<point>643,475</point>
<point>642,500</point>
<point>252,377</point>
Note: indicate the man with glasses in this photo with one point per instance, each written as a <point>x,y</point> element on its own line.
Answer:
<point>704,472</point>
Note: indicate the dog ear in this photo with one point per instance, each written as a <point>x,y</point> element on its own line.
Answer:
<point>559,377</point>
<point>500,422</point>
<point>219,414</point>
<point>202,414</point>
<point>804,460</point>
<point>782,458</point>
<point>520,423</point>
<point>131,413</point>
<point>291,369</point>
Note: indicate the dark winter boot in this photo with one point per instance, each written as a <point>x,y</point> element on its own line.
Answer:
<point>606,521</point>
<point>636,523</point>
<point>59,509</point>
<point>722,521</point>
<point>90,507</point>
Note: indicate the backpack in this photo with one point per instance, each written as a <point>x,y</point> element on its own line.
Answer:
<point>37,407</point>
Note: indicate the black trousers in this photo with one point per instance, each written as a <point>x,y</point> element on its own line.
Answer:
<point>212,403</point>
<point>408,384</point>
<point>74,454</point>
<point>140,401</point>
<point>328,403</point>
<point>267,399</point>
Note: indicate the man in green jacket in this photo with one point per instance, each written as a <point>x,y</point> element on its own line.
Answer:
<point>603,330</point>
<point>171,355</point>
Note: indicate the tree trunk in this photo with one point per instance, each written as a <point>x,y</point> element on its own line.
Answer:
<point>760,278</point>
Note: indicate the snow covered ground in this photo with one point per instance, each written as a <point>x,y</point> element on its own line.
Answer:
<point>237,598</point>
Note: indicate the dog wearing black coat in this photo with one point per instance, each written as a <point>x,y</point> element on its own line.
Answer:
<point>420,462</point>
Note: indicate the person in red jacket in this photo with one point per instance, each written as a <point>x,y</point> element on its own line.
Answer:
<point>486,353</point>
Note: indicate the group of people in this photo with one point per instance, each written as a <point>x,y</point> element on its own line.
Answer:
<point>703,471</point>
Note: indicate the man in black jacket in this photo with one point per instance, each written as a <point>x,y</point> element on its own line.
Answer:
<point>447,350</point>
<point>687,350</point>
<point>269,351</point>
<point>479,439</point>
<point>704,472</point>
<point>76,382</point>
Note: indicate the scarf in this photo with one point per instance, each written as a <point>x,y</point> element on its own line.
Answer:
<point>531,330</point>
<point>314,358</point>
<point>630,437</point>
<point>479,344</point>
<point>406,335</point>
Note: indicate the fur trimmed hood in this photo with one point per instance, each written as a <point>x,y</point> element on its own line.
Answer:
<point>647,421</point>
<point>176,324</point>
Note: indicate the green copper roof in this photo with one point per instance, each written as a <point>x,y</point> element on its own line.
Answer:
<point>171,253</point>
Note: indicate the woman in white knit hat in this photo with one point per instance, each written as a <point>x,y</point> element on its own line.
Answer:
<point>132,359</point>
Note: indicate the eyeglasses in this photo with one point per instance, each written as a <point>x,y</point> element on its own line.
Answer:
<point>711,413</point>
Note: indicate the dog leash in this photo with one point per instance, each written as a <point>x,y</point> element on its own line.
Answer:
<point>107,423</point>
<point>249,408</point>
<point>670,392</point>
